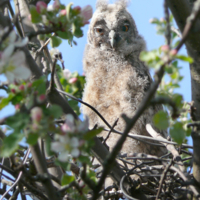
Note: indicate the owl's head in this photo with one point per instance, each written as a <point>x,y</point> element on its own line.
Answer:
<point>112,28</point>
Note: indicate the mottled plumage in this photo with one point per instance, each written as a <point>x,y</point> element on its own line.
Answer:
<point>116,79</point>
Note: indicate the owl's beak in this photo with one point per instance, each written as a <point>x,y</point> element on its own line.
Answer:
<point>112,38</point>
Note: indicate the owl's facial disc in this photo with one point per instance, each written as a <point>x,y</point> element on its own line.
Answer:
<point>113,35</point>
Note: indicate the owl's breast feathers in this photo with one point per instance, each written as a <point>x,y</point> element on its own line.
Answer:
<point>115,79</point>
<point>115,85</point>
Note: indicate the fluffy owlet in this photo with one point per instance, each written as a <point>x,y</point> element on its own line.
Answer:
<point>116,79</point>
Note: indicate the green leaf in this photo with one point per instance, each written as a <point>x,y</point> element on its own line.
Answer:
<point>161,120</point>
<point>90,134</point>
<point>17,98</point>
<point>67,179</point>
<point>55,41</point>
<point>10,144</point>
<point>92,175</point>
<point>64,165</point>
<point>178,99</point>
<point>84,159</point>
<point>185,58</point>
<point>78,33</point>
<point>32,138</point>
<point>18,121</point>
<point>5,101</point>
<point>40,85</point>
<point>149,56</point>
<point>74,105</point>
<point>177,133</point>
<point>64,35</point>
<point>35,16</point>
<point>55,111</point>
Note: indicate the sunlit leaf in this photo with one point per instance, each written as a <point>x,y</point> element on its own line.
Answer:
<point>161,120</point>
<point>92,133</point>
<point>185,58</point>
<point>18,121</point>
<point>74,105</point>
<point>55,111</point>
<point>67,179</point>
<point>178,133</point>
<point>35,16</point>
<point>32,138</point>
<point>40,85</point>
<point>5,101</point>
<point>10,144</point>
<point>55,41</point>
<point>63,34</point>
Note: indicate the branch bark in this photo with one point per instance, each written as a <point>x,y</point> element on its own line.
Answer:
<point>181,10</point>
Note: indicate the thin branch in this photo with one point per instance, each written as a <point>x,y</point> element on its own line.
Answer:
<point>87,180</point>
<point>47,30</point>
<point>20,19</point>
<point>153,139</point>
<point>86,104</point>
<point>42,169</point>
<point>19,176</point>
<point>166,100</point>
<point>168,30</point>
<point>162,179</point>
<point>175,30</point>
<point>17,22</point>
<point>51,85</point>
<point>42,47</point>
<point>72,184</point>
<point>115,123</point>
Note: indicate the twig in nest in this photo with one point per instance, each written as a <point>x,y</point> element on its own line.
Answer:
<point>162,179</point>
<point>123,191</point>
<point>185,179</point>
<point>169,147</point>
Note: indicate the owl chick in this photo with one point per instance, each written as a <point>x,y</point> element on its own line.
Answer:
<point>116,79</point>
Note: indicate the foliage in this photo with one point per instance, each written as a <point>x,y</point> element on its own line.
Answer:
<point>171,81</point>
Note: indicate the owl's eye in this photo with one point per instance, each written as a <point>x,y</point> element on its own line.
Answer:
<point>99,30</point>
<point>125,28</point>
